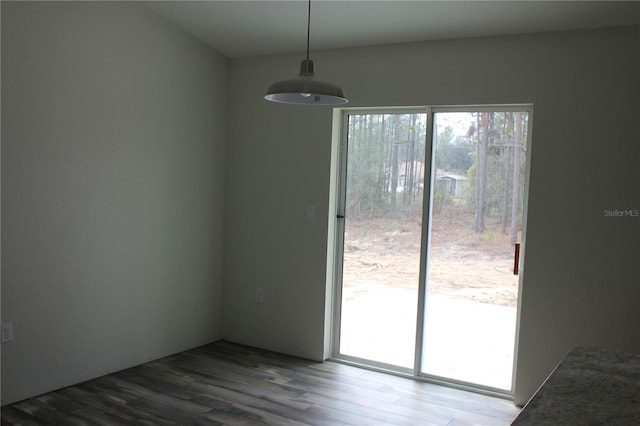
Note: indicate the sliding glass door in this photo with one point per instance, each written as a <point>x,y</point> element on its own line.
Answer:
<point>430,210</point>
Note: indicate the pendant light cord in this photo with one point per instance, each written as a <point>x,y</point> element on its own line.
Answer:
<point>308,28</point>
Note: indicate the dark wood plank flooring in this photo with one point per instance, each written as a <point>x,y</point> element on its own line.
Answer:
<point>230,384</point>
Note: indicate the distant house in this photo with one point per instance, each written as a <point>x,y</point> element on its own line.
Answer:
<point>451,183</point>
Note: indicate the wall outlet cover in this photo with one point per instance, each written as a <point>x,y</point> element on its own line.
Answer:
<point>6,332</point>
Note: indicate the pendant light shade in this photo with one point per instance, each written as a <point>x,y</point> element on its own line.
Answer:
<point>306,90</point>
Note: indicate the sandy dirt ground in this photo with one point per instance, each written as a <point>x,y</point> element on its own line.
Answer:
<point>462,263</point>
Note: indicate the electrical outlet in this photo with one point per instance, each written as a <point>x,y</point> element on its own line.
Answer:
<point>259,295</point>
<point>6,333</point>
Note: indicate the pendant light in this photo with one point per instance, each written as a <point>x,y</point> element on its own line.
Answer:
<point>306,90</point>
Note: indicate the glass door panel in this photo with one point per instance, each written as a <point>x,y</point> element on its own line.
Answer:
<point>382,237</point>
<point>476,205</point>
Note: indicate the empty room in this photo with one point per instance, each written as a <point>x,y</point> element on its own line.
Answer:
<point>320,212</point>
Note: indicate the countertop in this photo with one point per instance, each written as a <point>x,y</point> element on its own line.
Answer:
<point>590,386</point>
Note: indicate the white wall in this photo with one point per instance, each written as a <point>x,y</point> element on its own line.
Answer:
<point>113,134</point>
<point>580,277</point>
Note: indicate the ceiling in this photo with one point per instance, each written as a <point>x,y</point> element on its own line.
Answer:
<point>240,28</point>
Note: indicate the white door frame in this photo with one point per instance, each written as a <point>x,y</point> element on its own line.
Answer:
<point>337,243</point>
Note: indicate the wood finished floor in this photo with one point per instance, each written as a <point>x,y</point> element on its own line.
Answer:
<point>228,384</point>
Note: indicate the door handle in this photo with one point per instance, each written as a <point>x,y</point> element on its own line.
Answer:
<point>340,216</point>
<point>516,259</point>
